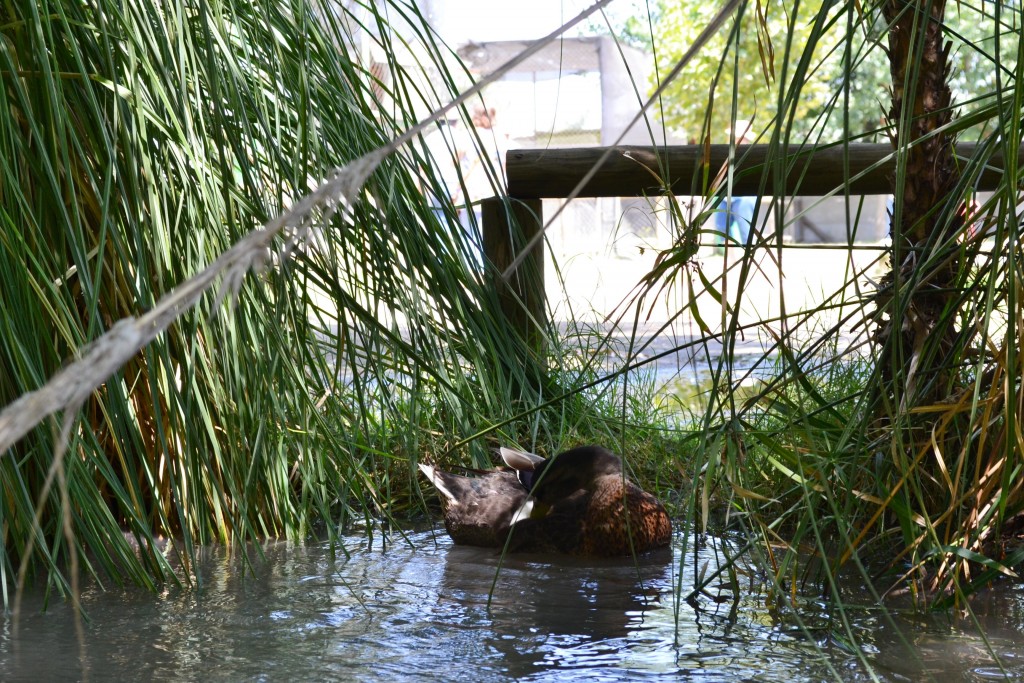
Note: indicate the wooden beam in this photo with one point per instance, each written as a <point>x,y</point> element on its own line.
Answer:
<point>507,227</point>
<point>689,169</point>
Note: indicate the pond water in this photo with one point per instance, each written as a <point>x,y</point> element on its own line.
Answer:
<point>421,609</point>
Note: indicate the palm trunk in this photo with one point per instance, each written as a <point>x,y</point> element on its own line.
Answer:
<point>916,335</point>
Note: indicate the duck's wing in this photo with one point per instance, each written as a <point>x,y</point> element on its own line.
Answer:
<point>455,488</point>
<point>479,510</point>
<point>440,480</point>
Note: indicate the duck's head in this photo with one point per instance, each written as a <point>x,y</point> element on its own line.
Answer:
<point>565,474</point>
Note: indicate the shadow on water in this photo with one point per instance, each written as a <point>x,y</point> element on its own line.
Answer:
<point>428,610</point>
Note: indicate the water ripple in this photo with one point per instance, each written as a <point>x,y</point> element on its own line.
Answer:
<point>428,610</point>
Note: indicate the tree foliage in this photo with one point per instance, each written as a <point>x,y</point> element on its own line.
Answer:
<point>737,76</point>
<point>829,74</point>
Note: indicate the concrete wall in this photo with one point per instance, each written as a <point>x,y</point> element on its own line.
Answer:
<point>625,85</point>
<point>812,220</point>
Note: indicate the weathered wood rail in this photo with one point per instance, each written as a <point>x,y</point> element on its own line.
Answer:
<point>535,174</point>
<point>642,171</point>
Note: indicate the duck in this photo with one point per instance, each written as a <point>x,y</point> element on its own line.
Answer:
<point>579,502</point>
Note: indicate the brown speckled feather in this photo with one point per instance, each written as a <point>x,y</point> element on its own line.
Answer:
<point>608,530</point>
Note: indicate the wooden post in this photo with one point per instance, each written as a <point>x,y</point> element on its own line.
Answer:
<point>508,225</point>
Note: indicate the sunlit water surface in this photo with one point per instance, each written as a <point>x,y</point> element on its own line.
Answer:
<point>420,608</point>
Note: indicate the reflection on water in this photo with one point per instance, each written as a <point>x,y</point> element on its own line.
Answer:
<point>427,610</point>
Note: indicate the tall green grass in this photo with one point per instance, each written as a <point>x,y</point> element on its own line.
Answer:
<point>140,141</point>
<point>908,458</point>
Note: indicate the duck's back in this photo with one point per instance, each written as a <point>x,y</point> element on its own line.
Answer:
<point>608,530</point>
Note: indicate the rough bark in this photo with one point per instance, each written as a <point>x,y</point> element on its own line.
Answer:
<point>920,106</point>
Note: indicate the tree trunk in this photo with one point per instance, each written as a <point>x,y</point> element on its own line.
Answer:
<point>915,332</point>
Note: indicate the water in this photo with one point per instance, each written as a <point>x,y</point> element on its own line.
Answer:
<point>424,610</point>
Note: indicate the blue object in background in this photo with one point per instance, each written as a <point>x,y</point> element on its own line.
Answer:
<point>742,215</point>
<point>733,218</point>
